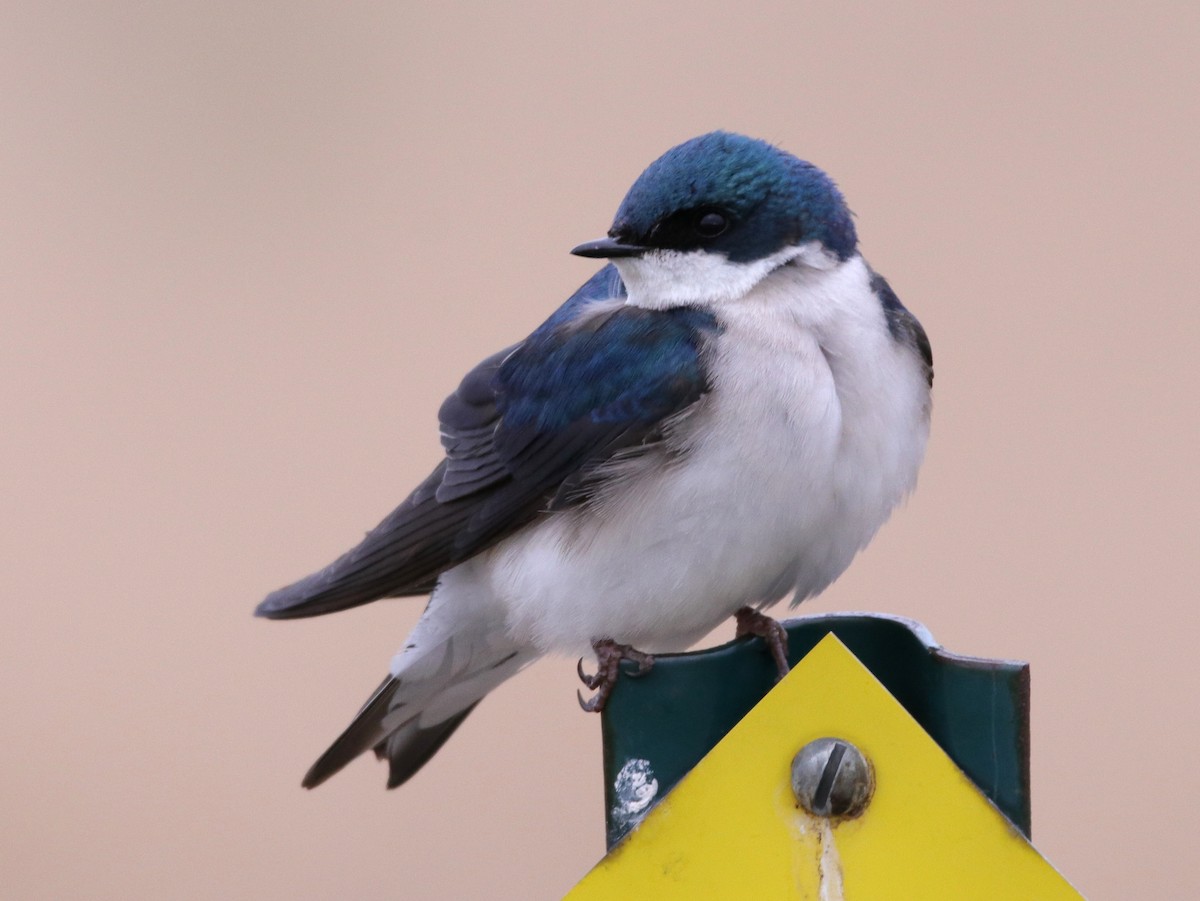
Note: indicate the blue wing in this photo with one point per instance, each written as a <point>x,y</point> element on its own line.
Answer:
<point>522,434</point>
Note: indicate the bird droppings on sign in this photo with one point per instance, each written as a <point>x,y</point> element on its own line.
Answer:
<point>634,790</point>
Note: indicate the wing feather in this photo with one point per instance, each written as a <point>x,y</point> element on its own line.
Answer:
<point>524,429</point>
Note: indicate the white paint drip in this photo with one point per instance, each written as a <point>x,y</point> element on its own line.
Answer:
<point>829,865</point>
<point>828,861</point>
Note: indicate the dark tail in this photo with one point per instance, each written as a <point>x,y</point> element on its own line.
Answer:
<point>406,749</point>
<point>440,678</point>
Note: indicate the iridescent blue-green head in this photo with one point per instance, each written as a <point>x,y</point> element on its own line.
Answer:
<point>710,218</point>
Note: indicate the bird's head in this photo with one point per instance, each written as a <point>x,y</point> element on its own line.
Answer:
<point>711,218</point>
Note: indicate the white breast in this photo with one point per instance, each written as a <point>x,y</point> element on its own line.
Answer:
<point>813,431</point>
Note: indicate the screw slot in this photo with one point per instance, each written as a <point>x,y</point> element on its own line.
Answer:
<point>832,778</point>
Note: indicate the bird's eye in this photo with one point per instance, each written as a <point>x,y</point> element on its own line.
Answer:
<point>711,224</point>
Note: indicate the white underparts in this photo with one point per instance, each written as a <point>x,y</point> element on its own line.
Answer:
<point>812,432</point>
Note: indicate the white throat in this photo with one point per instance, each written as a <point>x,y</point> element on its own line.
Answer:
<point>662,279</point>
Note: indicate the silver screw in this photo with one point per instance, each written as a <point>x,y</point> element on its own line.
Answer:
<point>832,778</point>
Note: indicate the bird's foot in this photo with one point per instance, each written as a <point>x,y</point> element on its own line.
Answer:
<point>609,655</point>
<point>751,622</point>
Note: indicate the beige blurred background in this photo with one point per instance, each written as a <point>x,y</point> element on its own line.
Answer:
<point>246,249</point>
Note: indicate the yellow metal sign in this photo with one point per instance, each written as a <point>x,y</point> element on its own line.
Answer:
<point>732,827</point>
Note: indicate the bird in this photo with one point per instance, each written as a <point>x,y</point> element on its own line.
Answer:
<point>721,417</point>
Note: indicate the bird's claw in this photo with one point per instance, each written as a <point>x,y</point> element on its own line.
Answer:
<point>591,682</point>
<point>609,655</point>
<point>752,622</point>
<point>645,663</point>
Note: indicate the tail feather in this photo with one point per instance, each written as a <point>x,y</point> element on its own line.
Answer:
<point>415,711</point>
<point>366,731</point>
<point>410,747</point>
<point>407,747</point>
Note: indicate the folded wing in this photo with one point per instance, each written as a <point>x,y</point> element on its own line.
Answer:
<point>522,429</point>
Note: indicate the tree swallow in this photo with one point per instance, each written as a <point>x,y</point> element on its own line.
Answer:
<point>723,415</point>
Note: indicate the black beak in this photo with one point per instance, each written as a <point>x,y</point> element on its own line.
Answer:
<point>608,248</point>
